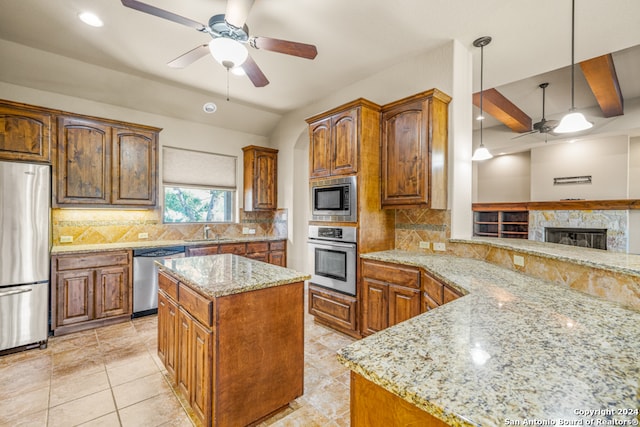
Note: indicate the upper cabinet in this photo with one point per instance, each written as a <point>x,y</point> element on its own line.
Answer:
<point>260,178</point>
<point>414,151</point>
<point>104,163</point>
<point>25,133</point>
<point>333,146</point>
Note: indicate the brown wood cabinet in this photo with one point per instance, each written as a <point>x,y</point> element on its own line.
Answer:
<point>101,164</point>
<point>260,178</point>
<point>216,368</point>
<point>390,295</point>
<point>414,151</point>
<point>90,290</point>
<point>435,293</point>
<point>273,252</point>
<point>333,143</point>
<point>334,309</point>
<point>25,132</point>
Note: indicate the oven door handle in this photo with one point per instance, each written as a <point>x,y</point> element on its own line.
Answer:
<point>327,244</point>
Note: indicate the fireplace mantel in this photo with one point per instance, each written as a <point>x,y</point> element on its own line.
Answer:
<point>560,205</point>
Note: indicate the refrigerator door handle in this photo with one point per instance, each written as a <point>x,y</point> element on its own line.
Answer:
<point>14,292</point>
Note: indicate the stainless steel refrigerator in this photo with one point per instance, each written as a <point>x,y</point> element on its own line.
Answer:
<point>25,242</point>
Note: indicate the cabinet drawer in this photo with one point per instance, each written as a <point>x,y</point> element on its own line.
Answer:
<point>450,294</point>
<point>277,246</point>
<point>233,248</point>
<point>197,305</point>
<point>333,308</point>
<point>169,285</point>
<point>73,262</point>
<point>256,247</point>
<point>433,288</point>
<point>391,273</point>
<point>202,250</point>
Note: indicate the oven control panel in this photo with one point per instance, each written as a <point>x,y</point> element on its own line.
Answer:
<point>342,234</point>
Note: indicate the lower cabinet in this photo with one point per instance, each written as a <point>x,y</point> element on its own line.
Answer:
<point>334,309</point>
<point>273,252</point>
<point>90,290</point>
<point>390,295</point>
<point>436,293</point>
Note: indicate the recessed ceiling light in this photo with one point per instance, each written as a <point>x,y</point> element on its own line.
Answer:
<point>90,19</point>
<point>209,107</point>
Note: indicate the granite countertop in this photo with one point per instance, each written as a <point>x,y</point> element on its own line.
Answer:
<point>68,249</point>
<point>513,348</point>
<point>219,275</point>
<point>607,260</point>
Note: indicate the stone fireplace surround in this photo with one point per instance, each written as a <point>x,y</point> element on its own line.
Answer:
<point>616,222</point>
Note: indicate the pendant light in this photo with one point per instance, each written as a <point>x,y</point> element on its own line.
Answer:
<point>573,121</point>
<point>481,152</point>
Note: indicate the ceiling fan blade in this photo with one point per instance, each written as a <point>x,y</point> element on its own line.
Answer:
<point>302,50</point>
<point>161,13</point>
<point>190,57</point>
<point>237,12</point>
<point>525,134</point>
<point>254,72</point>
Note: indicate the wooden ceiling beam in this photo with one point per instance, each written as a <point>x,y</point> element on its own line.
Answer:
<point>600,73</point>
<point>494,103</point>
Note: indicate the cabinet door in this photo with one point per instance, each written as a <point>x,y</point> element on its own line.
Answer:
<point>112,292</point>
<point>374,306</point>
<point>134,167</point>
<point>344,143</point>
<point>278,258</point>
<point>201,360</point>
<point>320,148</point>
<point>183,364</point>
<point>83,170</point>
<point>259,256</point>
<point>405,155</point>
<point>74,295</point>
<point>201,251</point>
<point>265,184</point>
<point>167,333</point>
<point>24,134</point>
<point>404,303</point>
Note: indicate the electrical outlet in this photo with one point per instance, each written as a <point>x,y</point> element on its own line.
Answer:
<point>425,245</point>
<point>439,246</point>
<point>143,235</point>
<point>66,239</point>
<point>245,230</point>
<point>252,231</point>
<point>518,260</point>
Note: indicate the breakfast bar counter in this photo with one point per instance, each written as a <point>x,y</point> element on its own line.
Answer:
<point>231,336</point>
<point>515,350</point>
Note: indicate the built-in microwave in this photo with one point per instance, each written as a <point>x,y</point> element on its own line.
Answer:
<point>334,200</point>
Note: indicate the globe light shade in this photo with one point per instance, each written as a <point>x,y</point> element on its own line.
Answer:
<point>573,122</point>
<point>481,153</point>
<point>228,52</point>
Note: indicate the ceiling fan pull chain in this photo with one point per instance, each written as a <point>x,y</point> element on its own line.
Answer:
<point>227,83</point>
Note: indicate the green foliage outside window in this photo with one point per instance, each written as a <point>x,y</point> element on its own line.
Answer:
<point>183,204</point>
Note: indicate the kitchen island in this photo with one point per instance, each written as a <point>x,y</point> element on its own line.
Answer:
<point>516,350</point>
<point>230,334</point>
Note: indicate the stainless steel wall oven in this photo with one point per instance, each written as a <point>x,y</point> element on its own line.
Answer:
<point>332,252</point>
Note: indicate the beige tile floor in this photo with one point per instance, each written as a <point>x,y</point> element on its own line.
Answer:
<point>111,376</point>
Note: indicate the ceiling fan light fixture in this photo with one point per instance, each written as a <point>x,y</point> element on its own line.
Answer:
<point>91,19</point>
<point>228,52</point>
<point>573,122</point>
<point>238,71</point>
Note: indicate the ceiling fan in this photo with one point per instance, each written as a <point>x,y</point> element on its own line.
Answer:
<point>230,37</point>
<point>543,126</point>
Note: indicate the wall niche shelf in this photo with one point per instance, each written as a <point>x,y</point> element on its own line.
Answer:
<point>509,221</point>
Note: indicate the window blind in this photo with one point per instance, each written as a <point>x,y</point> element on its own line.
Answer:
<point>182,167</point>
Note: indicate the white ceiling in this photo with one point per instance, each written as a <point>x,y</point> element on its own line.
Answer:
<point>44,46</point>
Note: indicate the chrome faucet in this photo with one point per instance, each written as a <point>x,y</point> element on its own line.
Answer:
<point>206,230</point>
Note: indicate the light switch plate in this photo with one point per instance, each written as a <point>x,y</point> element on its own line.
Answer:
<point>245,230</point>
<point>66,239</point>
<point>439,246</point>
<point>252,231</point>
<point>143,235</point>
<point>518,260</point>
<point>425,245</point>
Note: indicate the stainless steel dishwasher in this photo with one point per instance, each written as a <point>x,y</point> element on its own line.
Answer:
<point>145,277</point>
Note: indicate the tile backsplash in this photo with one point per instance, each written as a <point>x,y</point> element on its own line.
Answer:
<point>95,226</point>
<point>413,226</point>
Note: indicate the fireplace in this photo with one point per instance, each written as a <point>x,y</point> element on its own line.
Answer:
<point>595,238</point>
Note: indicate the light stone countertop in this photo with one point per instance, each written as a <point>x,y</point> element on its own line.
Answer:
<point>513,348</point>
<point>69,249</point>
<point>613,261</point>
<point>219,275</point>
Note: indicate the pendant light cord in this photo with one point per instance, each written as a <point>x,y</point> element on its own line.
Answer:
<point>481,91</point>
<point>573,24</point>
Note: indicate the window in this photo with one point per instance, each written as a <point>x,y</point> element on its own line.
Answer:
<point>198,186</point>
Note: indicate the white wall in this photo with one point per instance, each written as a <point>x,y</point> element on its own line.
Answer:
<point>605,159</point>
<point>634,168</point>
<point>175,132</point>
<point>504,179</point>
<point>432,69</point>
